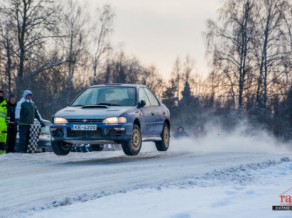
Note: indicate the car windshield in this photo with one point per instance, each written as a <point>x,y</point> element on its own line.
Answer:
<point>109,96</point>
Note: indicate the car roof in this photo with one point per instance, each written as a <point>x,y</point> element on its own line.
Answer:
<point>119,85</point>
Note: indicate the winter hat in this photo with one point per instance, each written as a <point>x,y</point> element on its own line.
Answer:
<point>26,93</point>
<point>12,96</point>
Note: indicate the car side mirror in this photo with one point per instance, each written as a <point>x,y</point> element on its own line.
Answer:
<point>141,103</point>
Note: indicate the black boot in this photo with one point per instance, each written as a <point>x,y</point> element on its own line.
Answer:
<point>2,148</point>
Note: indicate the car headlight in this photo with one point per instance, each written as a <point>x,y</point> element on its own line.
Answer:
<point>60,120</point>
<point>115,120</point>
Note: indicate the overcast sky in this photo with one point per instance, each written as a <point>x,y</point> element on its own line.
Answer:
<point>157,31</point>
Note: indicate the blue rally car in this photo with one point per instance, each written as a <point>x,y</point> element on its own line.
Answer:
<point>123,114</point>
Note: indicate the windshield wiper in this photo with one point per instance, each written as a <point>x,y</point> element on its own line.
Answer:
<point>77,105</point>
<point>100,105</point>
<point>109,104</point>
<point>95,106</point>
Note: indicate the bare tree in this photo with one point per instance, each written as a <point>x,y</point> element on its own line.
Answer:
<point>229,44</point>
<point>7,46</point>
<point>74,28</point>
<point>152,78</point>
<point>270,40</point>
<point>288,25</point>
<point>100,33</point>
<point>32,22</point>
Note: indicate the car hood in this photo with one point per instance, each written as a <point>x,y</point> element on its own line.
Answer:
<point>91,113</point>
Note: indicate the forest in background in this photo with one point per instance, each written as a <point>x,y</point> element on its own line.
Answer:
<point>56,49</point>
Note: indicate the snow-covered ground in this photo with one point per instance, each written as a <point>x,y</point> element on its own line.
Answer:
<point>220,175</point>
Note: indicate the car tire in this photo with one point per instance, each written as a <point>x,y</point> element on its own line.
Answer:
<point>61,148</point>
<point>97,147</point>
<point>133,147</point>
<point>163,145</point>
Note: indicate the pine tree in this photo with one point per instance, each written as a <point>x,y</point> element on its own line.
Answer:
<point>169,97</point>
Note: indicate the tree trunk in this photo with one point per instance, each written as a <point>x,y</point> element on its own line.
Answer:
<point>70,68</point>
<point>243,54</point>
<point>94,80</point>
<point>262,80</point>
<point>8,65</point>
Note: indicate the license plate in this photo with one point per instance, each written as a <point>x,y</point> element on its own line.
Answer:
<point>84,127</point>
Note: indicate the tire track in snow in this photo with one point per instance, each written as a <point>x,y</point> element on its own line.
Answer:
<point>242,175</point>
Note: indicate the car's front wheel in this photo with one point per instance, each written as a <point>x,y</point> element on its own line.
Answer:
<point>61,148</point>
<point>133,147</point>
<point>163,145</point>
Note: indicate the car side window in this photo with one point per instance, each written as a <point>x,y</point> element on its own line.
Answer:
<point>152,98</point>
<point>143,96</point>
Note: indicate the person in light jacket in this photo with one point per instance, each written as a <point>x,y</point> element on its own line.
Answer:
<point>25,113</point>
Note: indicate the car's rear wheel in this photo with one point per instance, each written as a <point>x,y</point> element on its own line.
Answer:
<point>97,147</point>
<point>61,148</point>
<point>133,147</point>
<point>163,145</point>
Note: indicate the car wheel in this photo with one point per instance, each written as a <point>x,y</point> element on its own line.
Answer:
<point>163,145</point>
<point>61,148</point>
<point>97,147</point>
<point>133,147</point>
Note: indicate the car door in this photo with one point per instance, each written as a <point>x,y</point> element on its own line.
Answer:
<point>157,117</point>
<point>146,116</point>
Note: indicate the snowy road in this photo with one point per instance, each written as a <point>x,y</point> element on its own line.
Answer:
<point>34,183</point>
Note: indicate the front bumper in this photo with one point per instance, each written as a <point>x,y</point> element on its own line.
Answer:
<point>102,135</point>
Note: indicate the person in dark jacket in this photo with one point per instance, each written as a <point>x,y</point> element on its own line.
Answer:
<point>12,127</point>
<point>25,113</point>
<point>180,133</point>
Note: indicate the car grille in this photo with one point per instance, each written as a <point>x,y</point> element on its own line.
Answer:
<point>84,134</point>
<point>85,120</point>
